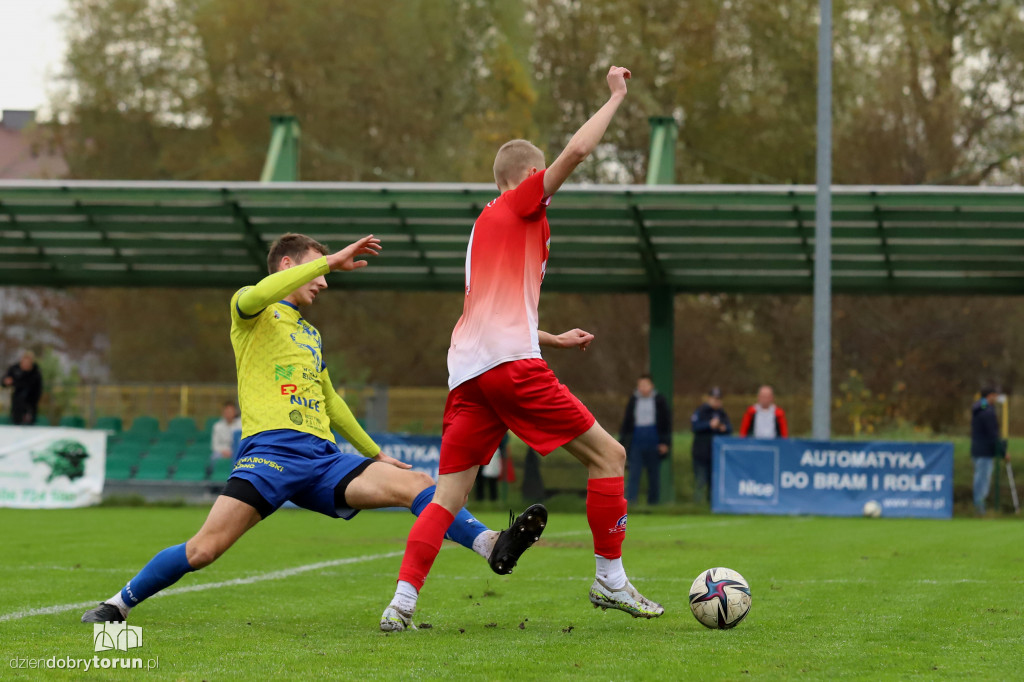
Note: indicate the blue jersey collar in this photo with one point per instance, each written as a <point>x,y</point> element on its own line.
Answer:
<point>289,304</point>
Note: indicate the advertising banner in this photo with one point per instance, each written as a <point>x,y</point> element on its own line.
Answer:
<point>422,452</point>
<point>832,478</point>
<point>51,468</point>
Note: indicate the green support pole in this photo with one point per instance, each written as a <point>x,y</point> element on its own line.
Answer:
<point>661,170</point>
<point>282,163</point>
<point>661,164</point>
<point>661,341</point>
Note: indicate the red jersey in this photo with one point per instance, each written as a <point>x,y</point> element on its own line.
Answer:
<point>505,263</point>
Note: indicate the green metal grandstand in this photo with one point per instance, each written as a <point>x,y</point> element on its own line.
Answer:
<point>887,240</point>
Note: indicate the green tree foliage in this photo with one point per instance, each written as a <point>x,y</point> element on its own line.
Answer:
<point>932,92</point>
<point>925,90</point>
<point>184,89</point>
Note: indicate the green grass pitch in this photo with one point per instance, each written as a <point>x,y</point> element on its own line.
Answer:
<point>832,598</point>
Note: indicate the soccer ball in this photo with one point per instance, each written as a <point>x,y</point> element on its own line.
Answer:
<point>720,598</point>
<point>872,509</point>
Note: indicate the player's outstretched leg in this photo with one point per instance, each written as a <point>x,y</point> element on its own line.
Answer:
<point>229,518</point>
<point>465,529</point>
<point>605,460</point>
<point>382,485</point>
<point>502,550</point>
<point>426,537</point>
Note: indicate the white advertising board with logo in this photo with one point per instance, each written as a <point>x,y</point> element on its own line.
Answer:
<point>51,468</point>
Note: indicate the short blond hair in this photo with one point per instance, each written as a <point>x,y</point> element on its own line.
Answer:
<point>514,161</point>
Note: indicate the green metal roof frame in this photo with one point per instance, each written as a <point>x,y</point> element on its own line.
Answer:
<point>706,238</point>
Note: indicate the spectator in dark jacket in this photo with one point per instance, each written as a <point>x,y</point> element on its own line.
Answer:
<point>708,421</point>
<point>764,419</point>
<point>27,382</point>
<point>646,434</point>
<point>986,445</point>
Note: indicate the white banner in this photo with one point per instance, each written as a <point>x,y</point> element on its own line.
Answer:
<point>51,468</point>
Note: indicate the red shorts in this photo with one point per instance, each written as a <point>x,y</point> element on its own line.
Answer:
<point>522,396</point>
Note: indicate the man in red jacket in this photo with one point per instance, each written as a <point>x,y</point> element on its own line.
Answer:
<point>764,419</point>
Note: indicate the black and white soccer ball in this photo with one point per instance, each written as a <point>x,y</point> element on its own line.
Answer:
<point>720,598</point>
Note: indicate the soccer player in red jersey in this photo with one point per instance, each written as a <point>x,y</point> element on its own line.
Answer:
<point>498,380</point>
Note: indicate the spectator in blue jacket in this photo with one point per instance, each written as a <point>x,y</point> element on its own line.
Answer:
<point>708,421</point>
<point>646,433</point>
<point>986,445</point>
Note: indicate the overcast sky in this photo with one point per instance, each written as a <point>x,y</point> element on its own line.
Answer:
<point>31,49</point>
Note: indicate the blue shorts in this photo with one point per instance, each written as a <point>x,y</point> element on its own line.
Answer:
<point>291,465</point>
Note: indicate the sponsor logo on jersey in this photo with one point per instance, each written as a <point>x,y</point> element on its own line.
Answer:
<point>306,402</point>
<point>296,417</point>
<point>309,338</point>
<point>283,372</point>
<point>289,389</point>
<point>620,525</point>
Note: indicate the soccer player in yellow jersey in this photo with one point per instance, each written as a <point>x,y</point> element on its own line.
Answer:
<point>288,451</point>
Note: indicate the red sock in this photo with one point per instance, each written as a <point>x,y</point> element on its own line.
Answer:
<point>424,543</point>
<point>606,514</point>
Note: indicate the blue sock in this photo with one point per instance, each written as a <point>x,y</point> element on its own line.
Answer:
<point>464,530</point>
<point>162,571</point>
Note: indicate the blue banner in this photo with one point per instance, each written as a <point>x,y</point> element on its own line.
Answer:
<point>832,478</point>
<point>422,452</point>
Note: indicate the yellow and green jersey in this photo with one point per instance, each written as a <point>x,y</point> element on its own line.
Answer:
<point>283,382</point>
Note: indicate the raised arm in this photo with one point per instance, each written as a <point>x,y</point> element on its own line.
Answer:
<point>586,138</point>
<point>278,285</point>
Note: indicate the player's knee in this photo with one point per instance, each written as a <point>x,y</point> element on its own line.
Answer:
<point>422,480</point>
<point>617,453</point>
<point>613,458</point>
<point>451,499</point>
<point>417,483</point>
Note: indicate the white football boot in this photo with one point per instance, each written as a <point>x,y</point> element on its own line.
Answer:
<point>625,599</point>
<point>394,620</point>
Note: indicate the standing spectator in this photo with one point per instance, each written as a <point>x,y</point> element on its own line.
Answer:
<point>708,421</point>
<point>646,434</point>
<point>488,474</point>
<point>985,445</point>
<point>27,382</point>
<point>223,441</point>
<point>764,419</point>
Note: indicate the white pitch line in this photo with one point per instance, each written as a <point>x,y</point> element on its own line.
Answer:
<point>74,568</point>
<point>289,572</point>
<point>272,575</point>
